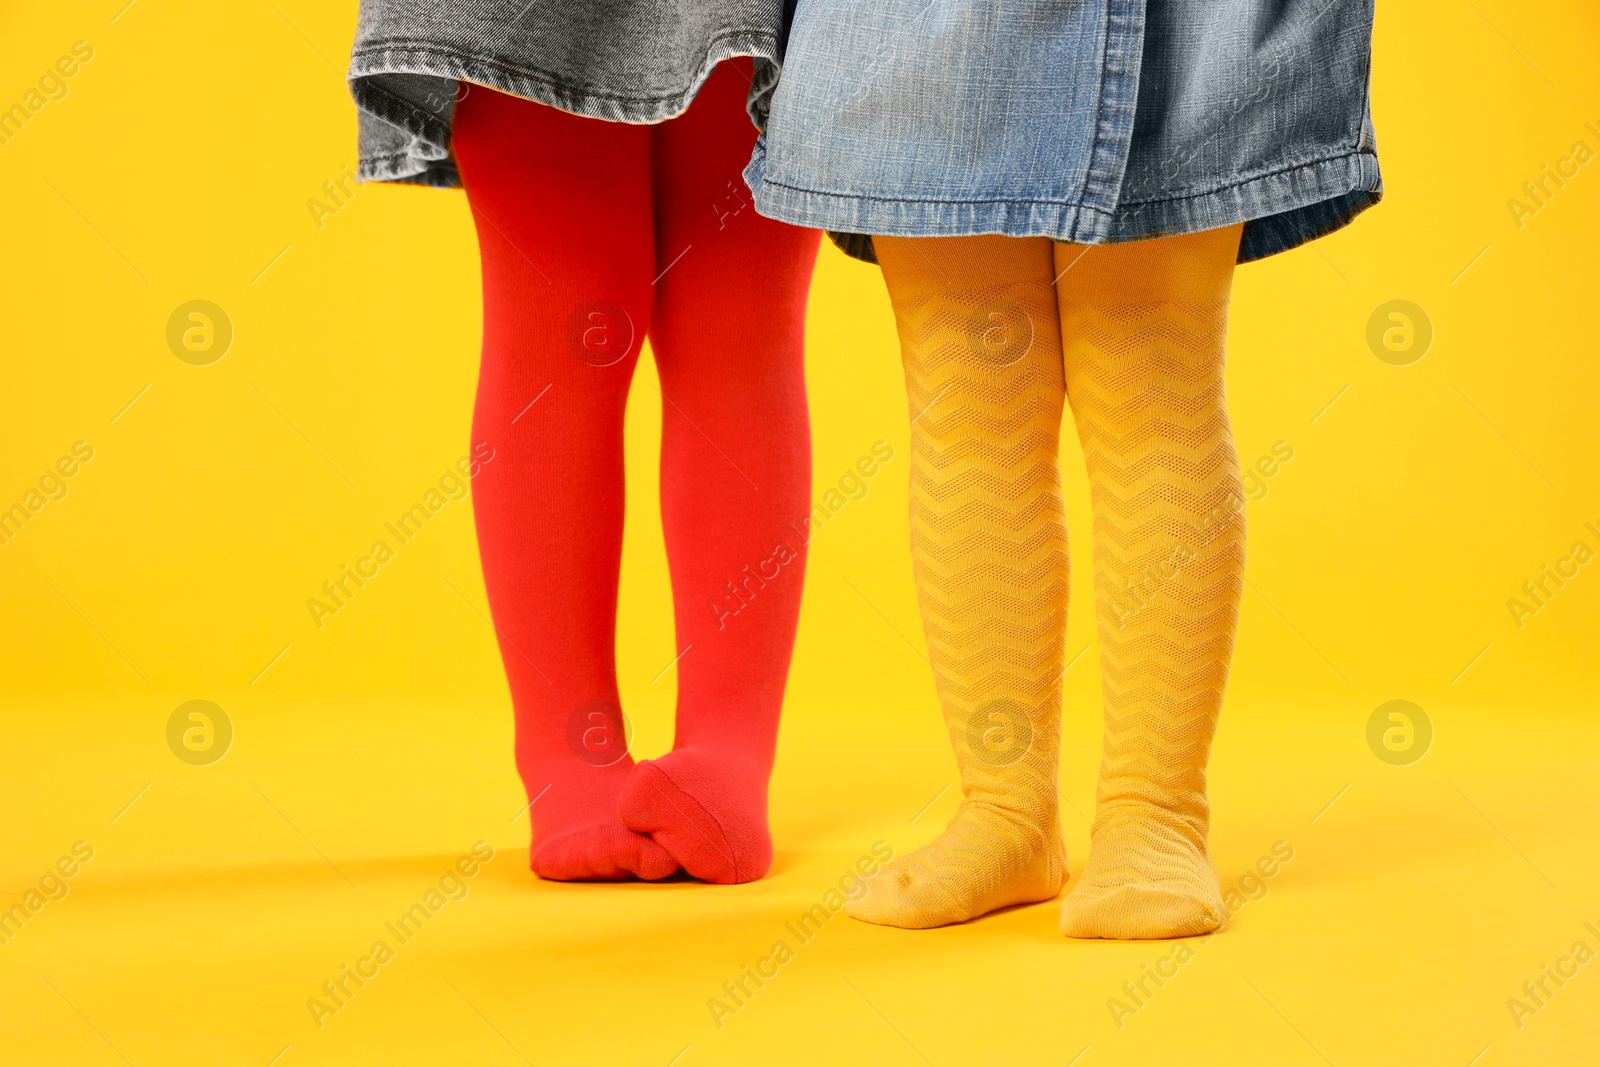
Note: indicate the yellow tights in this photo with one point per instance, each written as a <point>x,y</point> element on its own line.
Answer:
<point>996,334</point>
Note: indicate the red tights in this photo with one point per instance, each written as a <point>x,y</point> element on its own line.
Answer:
<point>593,236</point>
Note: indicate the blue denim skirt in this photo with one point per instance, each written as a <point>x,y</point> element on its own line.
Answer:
<point>1088,121</point>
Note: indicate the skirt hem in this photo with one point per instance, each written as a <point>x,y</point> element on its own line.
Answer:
<point>426,160</point>
<point>1281,209</point>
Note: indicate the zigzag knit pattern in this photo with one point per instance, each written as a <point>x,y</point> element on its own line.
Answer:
<point>988,545</point>
<point>1143,344</point>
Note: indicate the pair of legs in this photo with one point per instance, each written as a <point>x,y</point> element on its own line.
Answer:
<point>594,235</point>
<point>998,334</point>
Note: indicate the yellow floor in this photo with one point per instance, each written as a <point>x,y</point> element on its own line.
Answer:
<point>1418,900</point>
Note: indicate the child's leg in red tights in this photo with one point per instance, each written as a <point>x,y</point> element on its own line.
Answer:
<point>728,338</point>
<point>575,219</point>
<point>564,218</point>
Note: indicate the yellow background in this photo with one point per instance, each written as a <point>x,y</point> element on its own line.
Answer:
<point>371,753</point>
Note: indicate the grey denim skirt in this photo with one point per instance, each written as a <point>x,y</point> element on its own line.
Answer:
<point>623,60</point>
<point>1088,121</point>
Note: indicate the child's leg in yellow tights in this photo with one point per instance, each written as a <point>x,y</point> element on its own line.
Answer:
<point>979,332</point>
<point>1143,328</point>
